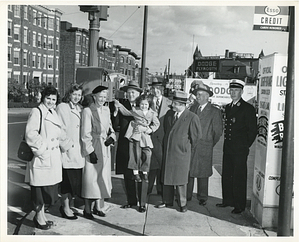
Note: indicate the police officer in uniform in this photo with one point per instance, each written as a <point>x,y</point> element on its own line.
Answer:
<point>239,134</point>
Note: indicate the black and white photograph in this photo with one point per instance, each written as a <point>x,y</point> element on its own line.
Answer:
<point>172,120</point>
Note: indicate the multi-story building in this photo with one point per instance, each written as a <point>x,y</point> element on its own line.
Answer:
<point>73,53</point>
<point>33,44</point>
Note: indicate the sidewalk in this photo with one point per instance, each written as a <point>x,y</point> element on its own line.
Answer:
<point>199,220</point>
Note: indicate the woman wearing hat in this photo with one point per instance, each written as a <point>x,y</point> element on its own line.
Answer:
<point>96,134</point>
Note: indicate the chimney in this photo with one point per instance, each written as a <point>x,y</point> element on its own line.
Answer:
<point>226,53</point>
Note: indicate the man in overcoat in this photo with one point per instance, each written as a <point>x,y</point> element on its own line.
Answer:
<point>161,105</point>
<point>239,133</point>
<point>212,127</point>
<point>182,129</point>
<point>122,156</point>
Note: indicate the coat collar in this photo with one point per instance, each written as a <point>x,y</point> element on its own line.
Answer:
<point>236,108</point>
<point>52,117</point>
<point>76,109</point>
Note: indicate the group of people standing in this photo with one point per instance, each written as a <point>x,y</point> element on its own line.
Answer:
<point>160,140</point>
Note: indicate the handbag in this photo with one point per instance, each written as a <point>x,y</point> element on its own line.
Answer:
<point>24,152</point>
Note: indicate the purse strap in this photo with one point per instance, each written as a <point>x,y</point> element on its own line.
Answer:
<point>40,119</point>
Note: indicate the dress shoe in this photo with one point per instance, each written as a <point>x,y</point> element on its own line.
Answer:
<point>183,209</point>
<point>127,206</point>
<point>88,215</point>
<point>222,205</point>
<point>40,226</point>
<point>50,222</point>
<point>237,211</point>
<point>164,205</point>
<point>142,209</point>
<point>64,215</point>
<point>202,202</point>
<point>145,177</point>
<point>137,178</point>
<point>98,212</point>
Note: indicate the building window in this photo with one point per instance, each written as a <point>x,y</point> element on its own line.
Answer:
<point>9,28</point>
<point>16,57</point>
<point>17,11</point>
<point>39,19</point>
<point>122,59</point>
<point>17,78</point>
<point>87,42</point>
<point>25,34</point>
<point>78,39</point>
<point>16,32</point>
<point>25,12</point>
<point>44,41</point>
<point>34,17</point>
<point>44,21</point>
<point>50,43</point>
<point>39,40</point>
<point>34,39</point>
<point>33,60</point>
<point>83,58</point>
<point>44,62</point>
<point>39,62</point>
<point>56,64</point>
<point>57,44</point>
<point>83,41</point>
<point>50,23</point>
<point>9,7</point>
<point>57,24</point>
<point>25,58</point>
<point>77,58</point>
<point>50,62</point>
<point>236,69</point>
<point>9,53</point>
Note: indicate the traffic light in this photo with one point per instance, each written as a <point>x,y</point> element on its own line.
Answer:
<point>104,44</point>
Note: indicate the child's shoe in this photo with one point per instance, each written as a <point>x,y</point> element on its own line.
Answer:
<point>137,178</point>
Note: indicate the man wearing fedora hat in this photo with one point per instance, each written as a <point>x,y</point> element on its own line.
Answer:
<point>182,129</point>
<point>161,106</point>
<point>122,156</point>
<point>239,134</point>
<point>212,127</point>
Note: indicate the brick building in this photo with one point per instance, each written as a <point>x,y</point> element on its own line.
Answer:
<point>33,44</point>
<point>73,53</point>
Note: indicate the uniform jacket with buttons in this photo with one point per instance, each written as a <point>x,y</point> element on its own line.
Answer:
<point>240,127</point>
<point>212,127</point>
<point>70,115</point>
<point>45,169</point>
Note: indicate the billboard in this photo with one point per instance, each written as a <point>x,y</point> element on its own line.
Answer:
<point>271,105</point>
<point>271,18</point>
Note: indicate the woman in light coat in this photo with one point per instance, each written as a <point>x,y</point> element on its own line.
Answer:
<point>70,113</point>
<point>44,171</point>
<point>96,133</point>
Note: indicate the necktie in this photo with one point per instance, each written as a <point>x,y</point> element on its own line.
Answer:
<point>157,104</point>
<point>175,118</point>
<point>200,108</point>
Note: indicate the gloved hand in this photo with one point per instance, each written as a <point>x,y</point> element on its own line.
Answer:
<point>93,158</point>
<point>109,141</point>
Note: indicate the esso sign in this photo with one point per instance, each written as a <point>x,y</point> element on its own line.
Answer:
<point>272,11</point>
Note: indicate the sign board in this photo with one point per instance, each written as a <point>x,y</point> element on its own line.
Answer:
<point>207,65</point>
<point>220,88</point>
<point>271,101</point>
<point>271,18</point>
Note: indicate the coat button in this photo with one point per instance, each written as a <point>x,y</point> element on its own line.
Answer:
<point>52,148</point>
<point>56,147</point>
<point>57,138</point>
<point>52,139</point>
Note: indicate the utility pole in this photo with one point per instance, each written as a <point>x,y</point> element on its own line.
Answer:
<point>143,68</point>
<point>96,13</point>
<point>287,162</point>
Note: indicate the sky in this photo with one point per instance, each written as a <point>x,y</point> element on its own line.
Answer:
<point>173,32</point>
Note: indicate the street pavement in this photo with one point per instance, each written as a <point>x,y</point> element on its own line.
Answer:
<point>207,220</point>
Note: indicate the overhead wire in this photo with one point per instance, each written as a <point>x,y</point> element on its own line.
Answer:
<point>125,21</point>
